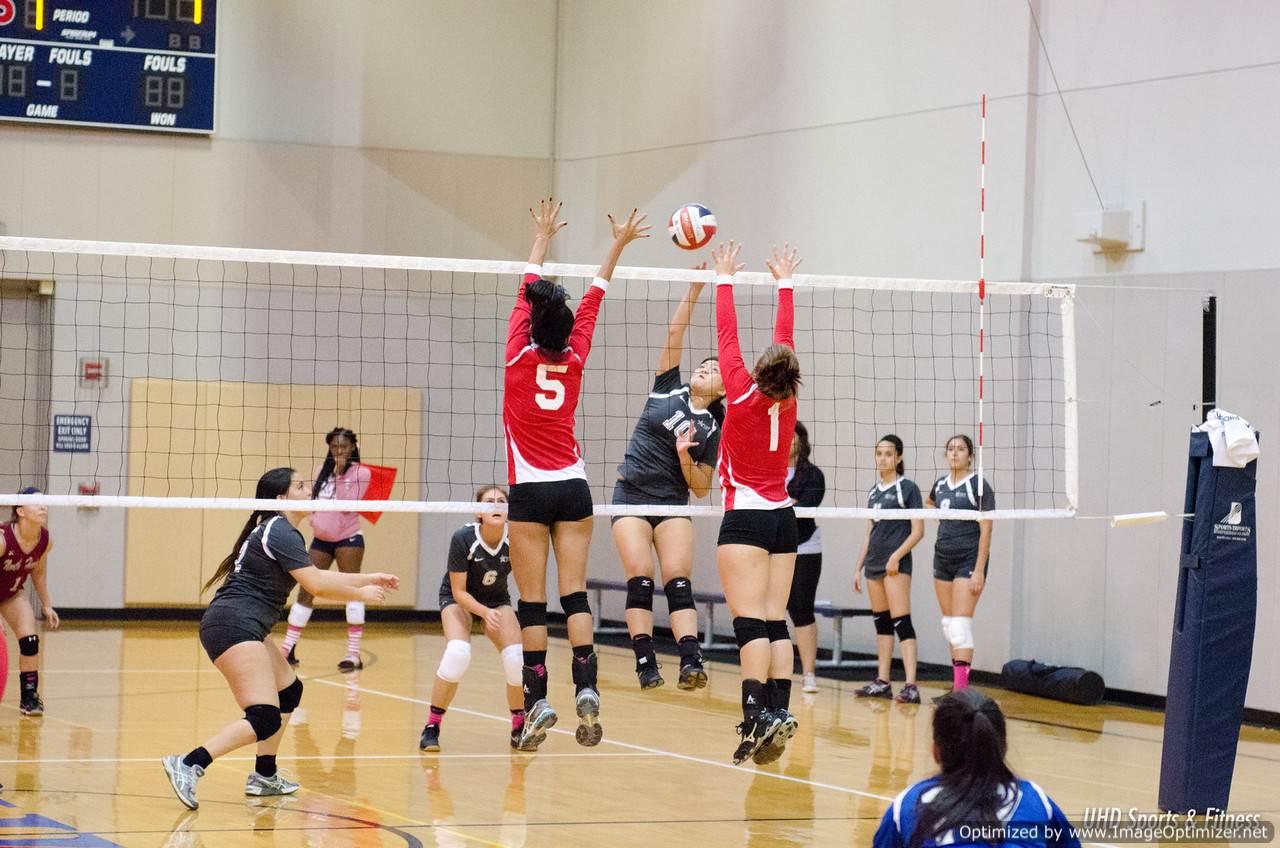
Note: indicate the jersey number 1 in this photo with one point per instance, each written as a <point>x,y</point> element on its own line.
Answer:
<point>554,399</point>
<point>773,426</point>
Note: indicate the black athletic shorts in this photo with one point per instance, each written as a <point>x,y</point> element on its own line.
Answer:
<point>624,494</point>
<point>331,548</point>
<point>950,566</point>
<point>771,529</point>
<point>221,629</point>
<point>547,503</point>
<point>876,570</point>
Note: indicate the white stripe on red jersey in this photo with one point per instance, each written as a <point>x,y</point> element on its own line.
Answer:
<point>541,392</point>
<point>755,441</point>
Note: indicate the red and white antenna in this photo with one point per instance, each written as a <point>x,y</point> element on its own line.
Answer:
<point>982,286</point>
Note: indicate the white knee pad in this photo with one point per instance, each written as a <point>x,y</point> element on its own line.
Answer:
<point>457,656</point>
<point>960,632</point>
<point>946,628</point>
<point>299,615</point>
<point>355,612</point>
<point>513,664</point>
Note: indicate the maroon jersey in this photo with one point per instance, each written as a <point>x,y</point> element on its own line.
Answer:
<point>541,392</point>
<point>16,564</point>
<point>755,442</point>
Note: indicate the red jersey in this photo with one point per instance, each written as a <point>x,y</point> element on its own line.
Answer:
<point>16,564</point>
<point>755,441</point>
<point>541,392</point>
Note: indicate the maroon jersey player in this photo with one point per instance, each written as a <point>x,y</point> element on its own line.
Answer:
<point>550,502</point>
<point>756,550</point>
<point>24,551</point>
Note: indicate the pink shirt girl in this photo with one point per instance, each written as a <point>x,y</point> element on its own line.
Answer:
<point>350,485</point>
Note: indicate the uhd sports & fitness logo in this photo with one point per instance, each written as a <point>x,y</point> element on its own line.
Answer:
<point>1232,525</point>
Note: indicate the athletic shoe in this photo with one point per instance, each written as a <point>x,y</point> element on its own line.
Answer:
<point>876,689</point>
<point>909,695</point>
<point>31,705</point>
<point>277,784</point>
<point>755,733</point>
<point>589,732</point>
<point>647,671</point>
<point>182,778</point>
<point>537,721</point>
<point>810,683</point>
<point>771,749</point>
<point>515,738</point>
<point>430,740</point>
<point>350,663</point>
<point>692,675</point>
<point>292,657</point>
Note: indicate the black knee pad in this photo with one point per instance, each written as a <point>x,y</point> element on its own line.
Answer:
<point>777,630</point>
<point>679,592</point>
<point>29,646</point>
<point>264,719</point>
<point>574,603</point>
<point>884,623</point>
<point>290,696</point>
<point>902,626</point>
<point>801,614</point>
<point>749,629</point>
<point>639,593</point>
<point>532,613</point>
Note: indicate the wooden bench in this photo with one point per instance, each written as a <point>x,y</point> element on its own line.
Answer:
<point>837,616</point>
<point>707,599</point>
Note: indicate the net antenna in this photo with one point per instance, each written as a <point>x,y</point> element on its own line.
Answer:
<point>982,286</point>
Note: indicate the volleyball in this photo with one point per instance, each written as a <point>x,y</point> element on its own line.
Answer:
<point>692,226</point>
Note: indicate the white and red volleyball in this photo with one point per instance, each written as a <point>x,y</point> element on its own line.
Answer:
<point>692,226</point>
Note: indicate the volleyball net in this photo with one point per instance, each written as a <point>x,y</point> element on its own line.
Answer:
<point>135,375</point>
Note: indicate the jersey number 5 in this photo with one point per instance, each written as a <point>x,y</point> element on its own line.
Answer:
<point>554,397</point>
<point>773,426</point>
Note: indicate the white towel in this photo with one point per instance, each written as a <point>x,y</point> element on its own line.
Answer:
<point>1233,442</point>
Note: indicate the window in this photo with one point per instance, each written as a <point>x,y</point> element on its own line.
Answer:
<point>153,92</point>
<point>175,93</point>
<point>69,84</point>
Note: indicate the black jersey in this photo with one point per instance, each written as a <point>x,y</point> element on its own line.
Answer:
<point>257,587</point>
<point>956,537</point>
<point>888,536</point>
<point>487,569</point>
<point>652,465</point>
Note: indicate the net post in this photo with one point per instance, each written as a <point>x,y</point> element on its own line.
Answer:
<point>1208,356</point>
<point>1071,412</point>
<point>982,291</point>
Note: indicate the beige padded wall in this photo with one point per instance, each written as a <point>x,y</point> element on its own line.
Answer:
<point>191,438</point>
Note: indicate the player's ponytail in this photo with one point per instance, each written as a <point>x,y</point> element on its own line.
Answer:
<point>897,448</point>
<point>551,320</point>
<point>271,485</point>
<point>969,736</point>
<point>777,372</point>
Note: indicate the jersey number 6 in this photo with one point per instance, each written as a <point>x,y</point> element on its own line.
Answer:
<point>554,399</point>
<point>490,577</point>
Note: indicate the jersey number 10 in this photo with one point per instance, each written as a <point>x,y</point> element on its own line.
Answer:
<point>554,399</point>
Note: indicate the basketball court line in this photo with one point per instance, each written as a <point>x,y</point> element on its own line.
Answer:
<point>321,757</point>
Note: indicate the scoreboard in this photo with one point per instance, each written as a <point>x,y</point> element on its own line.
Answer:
<point>131,64</point>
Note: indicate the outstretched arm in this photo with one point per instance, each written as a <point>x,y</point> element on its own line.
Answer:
<point>546,223</point>
<point>670,356</point>
<point>584,321</point>
<point>783,265</point>
<point>732,369</point>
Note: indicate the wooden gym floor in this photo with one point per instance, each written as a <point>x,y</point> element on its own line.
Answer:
<point>118,697</point>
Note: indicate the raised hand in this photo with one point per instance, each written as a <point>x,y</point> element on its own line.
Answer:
<point>631,229</point>
<point>546,219</point>
<point>684,440</point>
<point>725,258</point>
<point>783,263</point>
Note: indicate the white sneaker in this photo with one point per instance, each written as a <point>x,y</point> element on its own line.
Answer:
<point>810,683</point>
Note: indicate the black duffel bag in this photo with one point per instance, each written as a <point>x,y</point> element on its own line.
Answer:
<point>1073,685</point>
